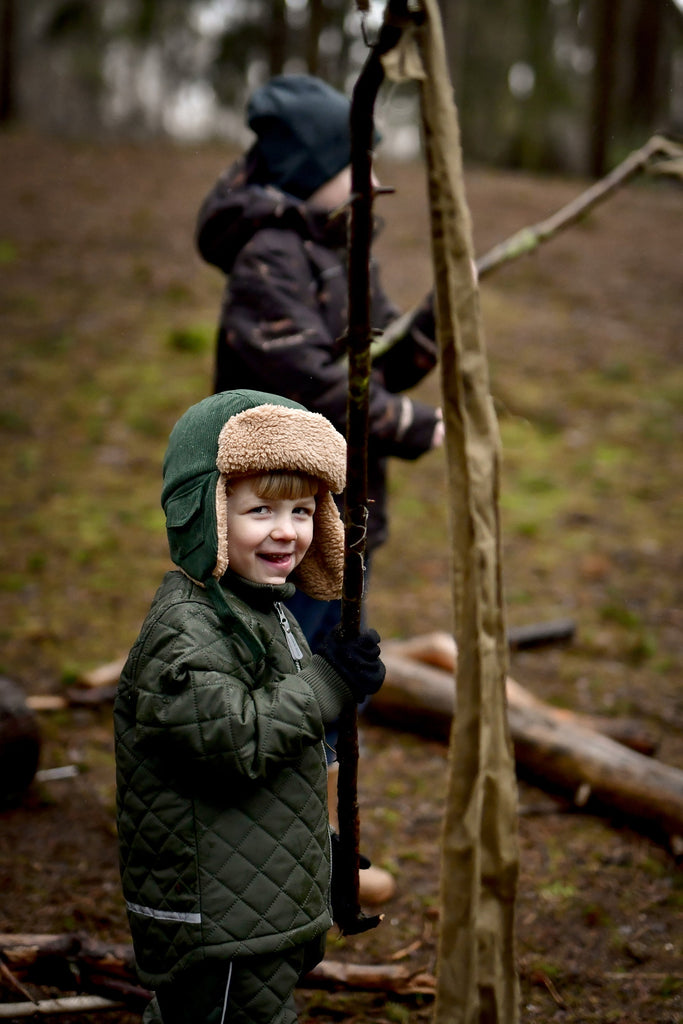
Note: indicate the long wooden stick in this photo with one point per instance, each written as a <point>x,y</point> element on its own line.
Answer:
<point>477,975</point>
<point>349,918</point>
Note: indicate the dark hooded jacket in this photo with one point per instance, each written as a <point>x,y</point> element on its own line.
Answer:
<point>285,312</point>
<point>221,710</point>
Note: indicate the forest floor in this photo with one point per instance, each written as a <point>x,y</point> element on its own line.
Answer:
<point>106,333</point>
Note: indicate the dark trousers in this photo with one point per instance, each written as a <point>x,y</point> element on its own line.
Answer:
<point>246,990</point>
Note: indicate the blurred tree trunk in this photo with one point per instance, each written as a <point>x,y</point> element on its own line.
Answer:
<point>342,64</point>
<point>7,65</point>
<point>316,24</point>
<point>329,18</point>
<point>606,22</point>
<point>277,37</point>
<point>533,146</point>
<point>648,54</point>
<point>483,41</point>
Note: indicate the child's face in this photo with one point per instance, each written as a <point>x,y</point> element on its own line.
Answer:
<point>336,191</point>
<point>267,538</point>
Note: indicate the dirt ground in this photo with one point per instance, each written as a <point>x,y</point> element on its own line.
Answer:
<point>105,332</point>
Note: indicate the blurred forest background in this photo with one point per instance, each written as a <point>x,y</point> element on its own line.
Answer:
<point>541,85</point>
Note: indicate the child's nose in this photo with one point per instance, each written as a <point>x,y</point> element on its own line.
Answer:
<point>283,528</point>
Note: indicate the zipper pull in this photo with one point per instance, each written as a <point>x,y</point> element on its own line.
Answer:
<point>294,648</point>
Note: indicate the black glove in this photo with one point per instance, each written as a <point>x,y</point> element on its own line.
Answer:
<point>357,660</point>
<point>341,900</point>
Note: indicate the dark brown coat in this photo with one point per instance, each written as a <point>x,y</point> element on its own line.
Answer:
<point>284,316</point>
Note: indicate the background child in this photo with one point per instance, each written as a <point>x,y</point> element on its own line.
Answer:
<point>275,223</point>
<point>221,712</point>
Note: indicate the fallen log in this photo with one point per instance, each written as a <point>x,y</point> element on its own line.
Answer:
<point>555,750</point>
<point>89,965</point>
<point>74,961</point>
<point>72,698</point>
<point>627,731</point>
<point>541,633</point>
<point>425,701</point>
<point>601,773</point>
<point>97,686</point>
<point>400,979</point>
<point>103,675</point>
<point>51,1007</point>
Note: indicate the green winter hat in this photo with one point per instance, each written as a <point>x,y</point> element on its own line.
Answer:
<point>303,132</point>
<point>242,433</point>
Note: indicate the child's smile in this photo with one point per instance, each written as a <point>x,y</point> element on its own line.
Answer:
<point>267,537</point>
<point>284,561</point>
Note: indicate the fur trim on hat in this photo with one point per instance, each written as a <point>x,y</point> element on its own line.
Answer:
<point>274,437</point>
<point>321,571</point>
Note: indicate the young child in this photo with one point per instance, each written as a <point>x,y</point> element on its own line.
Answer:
<point>221,712</point>
<point>274,223</point>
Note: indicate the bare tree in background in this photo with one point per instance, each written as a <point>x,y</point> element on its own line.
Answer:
<point>634,43</point>
<point>7,61</point>
<point>316,23</point>
<point>277,37</point>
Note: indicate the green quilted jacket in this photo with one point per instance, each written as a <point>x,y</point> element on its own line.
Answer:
<point>221,778</point>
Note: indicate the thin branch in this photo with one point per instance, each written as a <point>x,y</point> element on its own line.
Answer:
<point>530,238</point>
<point>660,155</point>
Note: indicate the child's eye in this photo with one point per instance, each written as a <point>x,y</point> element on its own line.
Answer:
<point>303,510</point>
<point>258,510</point>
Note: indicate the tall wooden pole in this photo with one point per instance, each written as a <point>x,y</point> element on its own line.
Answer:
<point>477,980</point>
<point>355,500</point>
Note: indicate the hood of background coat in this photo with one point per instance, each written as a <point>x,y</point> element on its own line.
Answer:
<point>237,208</point>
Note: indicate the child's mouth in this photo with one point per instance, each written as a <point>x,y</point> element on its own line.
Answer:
<point>274,559</point>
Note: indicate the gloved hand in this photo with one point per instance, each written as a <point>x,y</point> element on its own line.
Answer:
<point>341,900</point>
<point>357,660</point>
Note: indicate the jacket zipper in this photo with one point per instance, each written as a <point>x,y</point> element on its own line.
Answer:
<point>294,649</point>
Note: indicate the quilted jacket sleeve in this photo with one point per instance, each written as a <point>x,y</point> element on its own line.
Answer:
<point>199,699</point>
<point>274,320</point>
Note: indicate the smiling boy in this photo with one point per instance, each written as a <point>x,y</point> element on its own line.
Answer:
<point>270,534</point>
<point>221,711</point>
